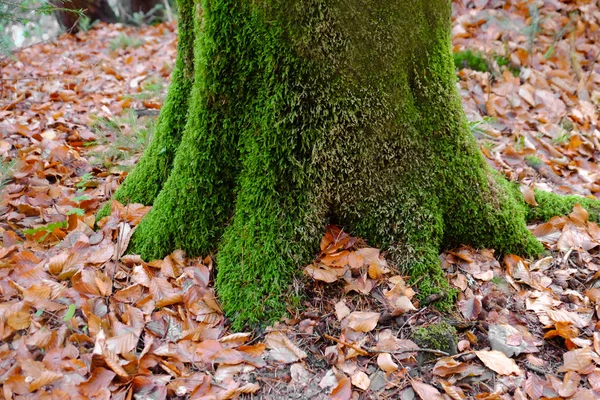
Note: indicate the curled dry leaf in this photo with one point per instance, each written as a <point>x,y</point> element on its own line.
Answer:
<point>324,273</point>
<point>343,390</point>
<point>576,360</point>
<point>454,392</point>
<point>448,366</point>
<point>529,195</point>
<point>386,363</point>
<point>470,308</point>
<point>361,380</point>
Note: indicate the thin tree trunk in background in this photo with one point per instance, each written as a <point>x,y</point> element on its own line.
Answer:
<point>148,8</point>
<point>143,6</point>
<point>96,10</point>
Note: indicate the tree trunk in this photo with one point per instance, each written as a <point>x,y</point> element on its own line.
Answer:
<point>144,6</point>
<point>305,112</point>
<point>128,8</point>
<point>96,10</point>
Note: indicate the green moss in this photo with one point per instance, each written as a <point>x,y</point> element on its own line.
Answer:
<point>144,183</point>
<point>471,60</point>
<point>533,161</point>
<point>439,336</point>
<point>552,205</point>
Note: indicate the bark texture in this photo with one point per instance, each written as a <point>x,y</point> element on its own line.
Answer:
<point>95,10</point>
<point>304,112</point>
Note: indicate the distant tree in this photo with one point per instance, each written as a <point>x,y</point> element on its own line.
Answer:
<point>69,12</point>
<point>143,11</point>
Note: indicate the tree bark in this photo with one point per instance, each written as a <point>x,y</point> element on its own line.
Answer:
<point>128,8</point>
<point>144,6</point>
<point>95,10</point>
<point>305,112</point>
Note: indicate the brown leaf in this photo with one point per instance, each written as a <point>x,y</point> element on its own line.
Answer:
<point>454,392</point>
<point>282,348</point>
<point>324,273</point>
<point>576,360</point>
<point>362,321</point>
<point>163,293</point>
<point>470,308</point>
<point>343,390</point>
<point>46,378</point>
<point>448,366</point>
<point>498,362</point>
<point>529,195</point>
<point>19,320</point>
<point>385,362</point>
<point>361,380</point>
<point>425,391</point>
<point>100,378</point>
<point>341,310</point>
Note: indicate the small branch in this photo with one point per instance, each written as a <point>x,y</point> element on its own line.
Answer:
<point>352,346</point>
<point>535,369</point>
<point>416,349</point>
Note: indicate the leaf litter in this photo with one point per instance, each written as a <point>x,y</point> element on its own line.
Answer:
<point>80,318</point>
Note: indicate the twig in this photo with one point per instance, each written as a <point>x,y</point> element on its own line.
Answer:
<point>535,369</point>
<point>415,349</point>
<point>352,346</point>
<point>368,351</point>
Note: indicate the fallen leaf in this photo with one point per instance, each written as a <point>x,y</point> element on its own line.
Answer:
<point>343,390</point>
<point>498,362</point>
<point>385,362</point>
<point>282,348</point>
<point>425,391</point>
<point>361,380</point>
<point>362,321</point>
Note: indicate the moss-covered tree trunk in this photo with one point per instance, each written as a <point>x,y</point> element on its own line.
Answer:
<point>304,112</point>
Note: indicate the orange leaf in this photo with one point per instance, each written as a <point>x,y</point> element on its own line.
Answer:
<point>343,390</point>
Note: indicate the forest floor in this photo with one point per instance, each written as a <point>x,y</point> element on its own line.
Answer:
<point>79,319</point>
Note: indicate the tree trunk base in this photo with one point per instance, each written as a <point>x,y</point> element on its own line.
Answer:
<point>296,116</point>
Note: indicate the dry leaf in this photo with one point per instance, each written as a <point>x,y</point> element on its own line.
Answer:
<point>282,348</point>
<point>576,360</point>
<point>361,380</point>
<point>341,310</point>
<point>425,391</point>
<point>343,390</point>
<point>498,362</point>
<point>361,321</point>
<point>385,362</point>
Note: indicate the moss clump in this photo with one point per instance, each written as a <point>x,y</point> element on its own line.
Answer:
<point>476,61</point>
<point>471,60</point>
<point>439,336</point>
<point>552,205</point>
